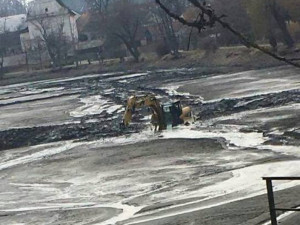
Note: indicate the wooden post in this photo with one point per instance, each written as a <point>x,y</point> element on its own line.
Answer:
<point>271,202</point>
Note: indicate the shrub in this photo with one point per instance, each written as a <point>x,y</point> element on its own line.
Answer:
<point>162,49</point>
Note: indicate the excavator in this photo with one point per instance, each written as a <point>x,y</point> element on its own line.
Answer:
<point>163,115</point>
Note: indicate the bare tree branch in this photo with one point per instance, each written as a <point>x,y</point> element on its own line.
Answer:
<point>200,25</point>
<point>54,40</point>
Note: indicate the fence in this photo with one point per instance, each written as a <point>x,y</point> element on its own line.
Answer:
<point>271,200</point>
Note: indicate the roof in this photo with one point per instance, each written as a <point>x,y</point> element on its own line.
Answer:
<point>13,23</point>
<point>75,6</point>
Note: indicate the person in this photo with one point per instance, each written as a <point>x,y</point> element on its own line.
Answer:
<point>210,13</point>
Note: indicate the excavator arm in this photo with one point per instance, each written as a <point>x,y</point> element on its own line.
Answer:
<point>150,101</point>
<point>182,115</point>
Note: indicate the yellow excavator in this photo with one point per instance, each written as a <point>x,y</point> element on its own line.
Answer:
<point>163,115</point>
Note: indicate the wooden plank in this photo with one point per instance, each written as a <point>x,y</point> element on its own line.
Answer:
<point>281,178</point>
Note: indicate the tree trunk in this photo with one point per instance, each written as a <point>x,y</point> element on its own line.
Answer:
<point>286,34</point>
<point>273,41</point>
<point>26,60</point>
<point>189,39</point>
<point>132,48</point>
<point>1,66</point>
<point>270,32</point>
<point>281,22</point>
<point>135,53</point>
<point>171,39</point>
<point>40,58</point>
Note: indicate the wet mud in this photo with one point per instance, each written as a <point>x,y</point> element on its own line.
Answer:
<point>65,159</point>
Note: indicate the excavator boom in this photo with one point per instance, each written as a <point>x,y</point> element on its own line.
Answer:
<point>162,115</point>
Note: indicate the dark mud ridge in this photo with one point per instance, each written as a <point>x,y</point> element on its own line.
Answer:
<point>230,106</point>
<point>287,138</point>
<point>22,137</point>
<point>14,138</point>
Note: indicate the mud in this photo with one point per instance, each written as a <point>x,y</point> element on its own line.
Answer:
<point>116,88</point>
<point>65,159</point>
<point>229,106</point>
<point>15,138</point>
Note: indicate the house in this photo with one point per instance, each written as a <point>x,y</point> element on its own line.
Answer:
<point>45,19</point>
<point>51,15</point>
<point>90,44</point>
<point>11,29</point>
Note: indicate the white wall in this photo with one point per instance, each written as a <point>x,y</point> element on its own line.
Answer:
<point>51,19</point>
<point>74,27</point>
<point>15,60</point>
<point>25,41</point>
<point>43,7</point>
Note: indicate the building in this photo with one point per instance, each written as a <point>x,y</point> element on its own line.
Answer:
<point>22,37</point>
<point>11,28</point>
<point>51,16</point>
<point>49,19</point>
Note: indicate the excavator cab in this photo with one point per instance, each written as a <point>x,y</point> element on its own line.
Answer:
<point>163,116</point>
<point>172,112</point>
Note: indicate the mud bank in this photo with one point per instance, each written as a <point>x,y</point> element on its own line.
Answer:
<point>205,173</point>
<point>229,106</point>
<point>15,138</point>
<point>225,60</point>
<point>243,212</point>
<point>167,181</point>
<point>91,106</point>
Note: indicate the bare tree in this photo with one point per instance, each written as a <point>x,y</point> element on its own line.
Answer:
<point>12,7</point>
<point>98,11</point>
<point>3,45</point>
<point>125,23</point>
<point>8,8</point>
<point>281,17</point>
<point>98,6</point>
<point>53,40</point>
<point>209,19</point>
<point>166,28</point>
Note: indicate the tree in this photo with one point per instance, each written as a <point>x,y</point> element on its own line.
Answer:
<point>7,8</point>
<point>237,17</point>
<point>209,19</point>
<point>166,28</point>
<point>124,22</point>
<point>269,15</point>
<point>98,6</point>
<point>3,43</point>
<point>292,8</point>
<point>12,7</point>
<point>281,17</point>
<point>53,40</point>
<point>95,18</point>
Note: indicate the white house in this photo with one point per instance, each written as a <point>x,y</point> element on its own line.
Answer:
<point>52,16</point>
<point>48,17</point>
<point>11,28</point>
